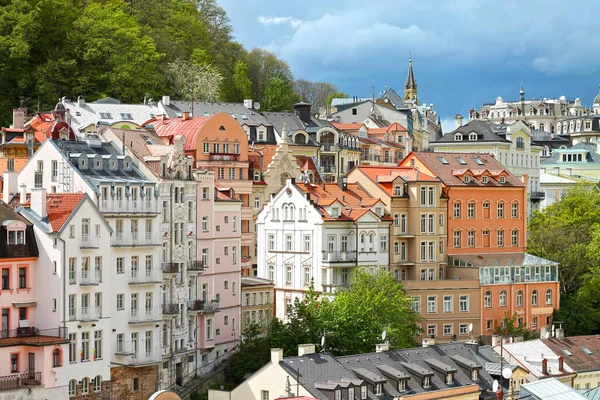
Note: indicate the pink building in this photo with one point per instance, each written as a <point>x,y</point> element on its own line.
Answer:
<point>28,353</point>
<point>219,246</point>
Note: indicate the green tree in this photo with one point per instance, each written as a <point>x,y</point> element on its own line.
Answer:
<point>356,317</point>
<point>279,96</point>
<point>241,86</point>
<point>510,327</point>
<point>263,66</point>
<point>336,95</point>
<point>252,353</point>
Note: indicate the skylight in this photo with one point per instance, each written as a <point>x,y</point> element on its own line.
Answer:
<point>126,116</point>
<point>244,116</point>
<point>178,114</point>
<point>586,351</point>
<point>443,160</point>
<point>461,161</point>
<point>478,161</point>
<point>206,114</point>
<point>567,352</point>
<point>105,115</point>
<point>232,114</point>
<point>148,139</point>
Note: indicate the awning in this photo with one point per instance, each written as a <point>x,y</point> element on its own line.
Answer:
<point>24,304</point>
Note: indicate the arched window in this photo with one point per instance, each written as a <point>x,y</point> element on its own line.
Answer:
<point>534,298</point>
<point>285,212</point>
<point>56,358</point>
<point>520,298</point>
<point>548,297</point>
<point>98,384</point>
<point>487,299</point>
<point>541,127</point>
<point>291,212</point>
<point>72,387</point>
<point>85,385</point>
<point>363,238</point>
<point>371,241</point>
<point>503,298</point>
<point>300,139</point>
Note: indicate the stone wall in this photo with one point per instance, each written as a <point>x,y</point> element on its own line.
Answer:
<point>124,378</point>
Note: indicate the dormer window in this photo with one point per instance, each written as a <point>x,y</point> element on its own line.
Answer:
<point>484,179</point>
<point>401,386</point>
<point>256,176</point>
<point>82,163</point>
<point>467,179</point>
<point>458,137</point>
<point>378,389</point>
<point>98,164</point>
<point>335,212</point>
<point>426,382</point>
<point>363,392</point>
<point>397,190</point>
<point>379,211</point>
<point>472,136</point>
<point>520,143</point>
<point>474,374</point>
<point>449,378</point>
<point>502,179</point>
<point>16,237</point>
<point>338,394</point>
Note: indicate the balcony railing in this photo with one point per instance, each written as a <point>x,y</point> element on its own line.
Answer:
<point>329,147</point>
<point>339,256</point>
<point>123,349</point>
<point>370,157</point>
<point>142,357</point>
<point>537,196</point>
<point>17,381</point>
<point>118,206</point>
<point>170,268</point>
<point>134,240</point>
<point>328,169</point>
<point>89,278</point>
<point>33,332</point>
<point>194,266</point>
<point>90,314</point>
<point>89,242</point>
<point>224,157</point>
<point>144,278</point>
<point>143,316</point>
<point>203,306</point>
<point>170,309</point>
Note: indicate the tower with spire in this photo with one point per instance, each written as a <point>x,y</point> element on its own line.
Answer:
<point>410,88</point>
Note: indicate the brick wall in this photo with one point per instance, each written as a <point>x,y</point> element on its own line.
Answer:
<point>124,378</point>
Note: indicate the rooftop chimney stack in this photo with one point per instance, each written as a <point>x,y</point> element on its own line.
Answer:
<point>248,103</point>
<point>23,193</point>
<point>38,202</point>
<point>559,333</point>
<point>10,185</point>
<point>304,349</point>
<point>276,355</point>
<point>381,347</point>
<point>185,115</point>
<point>459,120</point>
<point>166,100</point>
<point>19,118</point>
<point>81,101</point>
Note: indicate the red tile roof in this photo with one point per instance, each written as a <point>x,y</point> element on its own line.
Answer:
<point>347,127</point>
<point>60,206</point>
<point>407,173</point>
<point>171,127</point>
<point>268,154</point>
<point>579,360</point>
<point>393,127</point>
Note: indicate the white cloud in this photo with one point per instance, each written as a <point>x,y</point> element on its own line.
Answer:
<point>269,21</point>
<point>449,124</point>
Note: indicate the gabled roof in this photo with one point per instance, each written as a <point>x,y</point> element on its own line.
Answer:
<point>582,352</point>
<point>485,133</point>
<point>243,115</point>
<point>530,354</point>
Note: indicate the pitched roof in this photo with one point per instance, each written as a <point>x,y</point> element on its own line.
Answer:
<point>406,173</point>
<point>444,164</point>
<point>60,206</point>
<point>248,281</point>
<point>583,352</point>
<point>591,157</point>
<point>549,389</point>
<point>190,128</point>
<point>347,127</point>
<point>486,132</point>
<point>530,354</point>
<point>29,249</point>
<point>243,115</point>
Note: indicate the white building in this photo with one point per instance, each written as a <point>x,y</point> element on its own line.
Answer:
<point>129,202</point>
<point>319,233</point>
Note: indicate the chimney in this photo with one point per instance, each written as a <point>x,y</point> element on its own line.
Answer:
<point>185,115</point>
<point>19,118</point>
<point>496,339</point>
<point>561,364</point>
<point>343,183</point>
<point>381,347</point>
<point>304,349</point>
<point>38,202</point>
<point>559,333</point>
<point>302,110</point>
<point>459,120</point>
<point>160,117</point>
<point>426,342</point>
<point>10,185</point>
<point>166,100</point>
<point>81,101</point>
<point>23,194</point>
<point>545,366</point>
<point>276,355</point>
<point>248,103</point>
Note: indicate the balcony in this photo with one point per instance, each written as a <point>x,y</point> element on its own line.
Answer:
<point>370,157</point>
<point>123,207</point>
<point>89,314</point>
<point>328,169</point>
<point>339,256</point>
<point>144,278</point>
<point>329,147</point>
<point>134,240</point>
<point>223,157</point>
<point>143,317</point>
<point>170,309</point>
<point>246,262</point>
<point>203,306</point>
<point>90,278</point>
<point>170,268</point>
<point>123,348</point>
<point>89,242</point>
<point>18,381</point>
<point>145,358</point>
<point>31,336</point>
<point>537,196</point>
<point>195,266</point>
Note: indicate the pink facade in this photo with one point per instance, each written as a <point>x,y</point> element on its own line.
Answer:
<point>18,286</point>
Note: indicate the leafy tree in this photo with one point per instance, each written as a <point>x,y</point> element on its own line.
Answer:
<point>252,353</point>
<point>278,96</point>
<point>511,327</point>
<point>241,86</point>
<point>336,95</point>
<point>195,82</point>
<point>263,66</point>
<point>315,93</point>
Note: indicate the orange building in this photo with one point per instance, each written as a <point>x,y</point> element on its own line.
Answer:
<point>217,143</point>
<point>486,238</point>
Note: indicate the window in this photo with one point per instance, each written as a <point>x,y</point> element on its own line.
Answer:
<point>500,237</point>
<point>378,389</point>
<point>463,329</point>
<point>456,238</point>
<point>484,179</point>
<point>307,243</point>
<point>447,304</point>
<point>85,385</point>
<point>467,179</point>
<point>72,347</point>
<point>85,346</point>
<point>423,223</point>
<point>120,301</point>
<point>136,384</point>
<point>474,374</point>
<point>72,387</point>
<point>515,210</point>
<point>431,304</point>
<point>431,330</point>
<point>288,242</point>
<point>256,203</point>
<point>423,251</point>
<point>98,384</point>
<point>520,298</point>
<point>502,179</point>
<point>97,345</point>
<point>520,143</point>
<point>288,274</point>
<point>471,238</point>
<point>205,193</point>
<point>271,242</point>
<point>487,299</point>
<point>383,243</point>
<point>534,298</point>
<point>204,224</point>
<point>423,196</point>
<point>14,362</point>
<point>431,224</point>
<point>416,304</point>
<point>351,393</point>
<point>363,392</point>
<point>457,210</point>
<point>471,210</point>
<point>502,298</point>
<point>514,237</point>
<point>489,324</point>
<point>448,328</point>
<point>548,297</point>
<point>463,304</point>
<point>500,210</point>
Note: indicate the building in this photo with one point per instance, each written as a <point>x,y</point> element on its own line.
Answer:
<point>486,227</point>
<point>441,371</point>
<point>579,161</point>
<point>511,145</point>
<point>319,234</point>
<point>581,354</point>
<point>128,200</point>
<point>257,302</point>
<point>555,186</point>
<point>31,346</point>
<point>549,389</point>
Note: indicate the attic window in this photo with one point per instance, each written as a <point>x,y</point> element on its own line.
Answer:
<point>502,179</point>
<point>567,352</point>
<point>478,161</point>
<point>474,374</point>
<point>221,128</point>
<point>379,389</point>
<point>461,161</point>
<point>586,351</point>
<point>105,115</point>
<point>232,115</point>
<point>147,139</point>
<point>16,237</point>
<point>98,163</point>
<point>402,385</point>
<point>449,378</point>
<point>484,179</point>
<point>467,179</point>
<point>397,190</point>
<point>443,160</point>
<point>335,212</point>
<point>458,137</point>
<point>244,116</point>
<point>472,136</point>
<point>127,116</point>
<point>426,382</point>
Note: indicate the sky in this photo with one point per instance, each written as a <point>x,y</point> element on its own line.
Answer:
<point>465,52</point>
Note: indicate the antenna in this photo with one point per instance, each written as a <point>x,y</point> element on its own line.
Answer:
<point>323,343</point>
<point>383,335</point>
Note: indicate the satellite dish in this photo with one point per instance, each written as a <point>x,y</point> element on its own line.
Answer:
<point>256,105</point>
<point>506,373</point>
<point>386,101</point>
<point>495,385</point>
<point>383,334</point>
<point>471,327</point>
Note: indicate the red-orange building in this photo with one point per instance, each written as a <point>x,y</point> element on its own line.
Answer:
<point>487,235</point>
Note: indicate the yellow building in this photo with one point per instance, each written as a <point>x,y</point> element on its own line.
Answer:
<point>257,302</point>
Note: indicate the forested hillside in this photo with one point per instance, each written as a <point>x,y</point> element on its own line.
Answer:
<point>129,49</point>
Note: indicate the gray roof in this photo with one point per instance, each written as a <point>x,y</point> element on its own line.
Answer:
<point>339,101</point>
<point>591,156</point>
<point>593,394</point>
<point>549,389</point>
<point>324,370</point>
<point>243,115</point>
<point>486,132</point>
<point>395,99</point>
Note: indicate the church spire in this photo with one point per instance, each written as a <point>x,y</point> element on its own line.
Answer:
<point>410,88</point>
